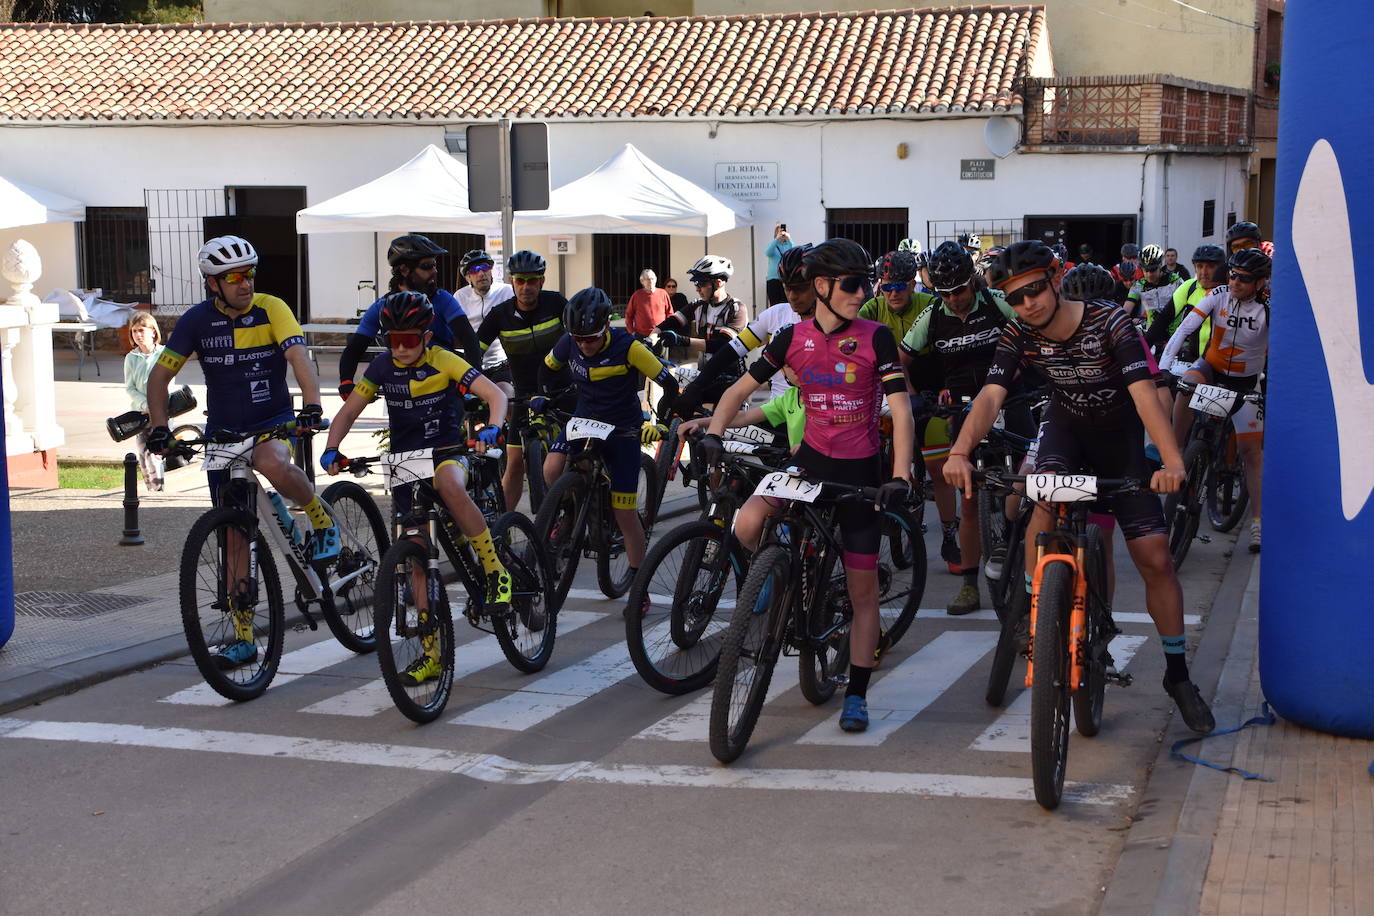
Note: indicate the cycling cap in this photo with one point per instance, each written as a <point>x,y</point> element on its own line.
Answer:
<point>838,258</point>
<point>1243,230</point>
<point>1151,257</point>
<point>475,258</point>
<point>1020,259</point>
<point>526,262</point>
<point>405,311</point>
<point>897,267</point>
<point>587,312</point>
<point>1251,261</point>
<point>711,267</point>
<point>791,266</point>
<point>228,252</point>
<point>1130,250</point>
<point>1087,282</point>
<point>1209,254</point>
<point>412,248</point>
<point>951,266</point>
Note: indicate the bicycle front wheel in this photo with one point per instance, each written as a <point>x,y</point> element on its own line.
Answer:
<point>1050,684</point>
<point>677,613</point>
<point>1228,494</point>
<point>612,562</point>
<point>666,455</point>
<point>231,604</point>
<point>414,626</point>
<point>901,574</point>
<point>559,532</point>
<point>1088,697</point>
<point>533,448</point>
<point>526,632</point>
<point>824,654</point>
<point>1182,510</point>
<point>364,541</point>
<point>749,653</point>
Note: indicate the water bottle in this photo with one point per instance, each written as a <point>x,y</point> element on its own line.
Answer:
<point>284,516</point>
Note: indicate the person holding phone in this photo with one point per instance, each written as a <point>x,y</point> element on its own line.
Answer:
<point>782,241</point>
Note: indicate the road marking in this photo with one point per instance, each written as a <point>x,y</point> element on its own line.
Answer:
<point>372,698</point>
<point>496,769</point>
<point>1011,731</point>
<point>925,613</point>
<point>693,721</point>
<point>315,657</point>
<point>905,691</point>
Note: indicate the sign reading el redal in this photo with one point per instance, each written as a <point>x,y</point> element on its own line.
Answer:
<point>747,180</point>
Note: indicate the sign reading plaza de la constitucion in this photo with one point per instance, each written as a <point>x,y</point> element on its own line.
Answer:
<point>747,180</point>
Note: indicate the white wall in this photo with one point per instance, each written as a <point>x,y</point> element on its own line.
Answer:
<point>56,244</point>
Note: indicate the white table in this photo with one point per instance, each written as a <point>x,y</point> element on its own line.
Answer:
<point>316,328</point>
<point>83,342</point>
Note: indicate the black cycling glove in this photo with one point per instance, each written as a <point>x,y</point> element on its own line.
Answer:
<point>893,494</point>
<point>711,448</point>
<point>159,439</point>
<point>311,416</point>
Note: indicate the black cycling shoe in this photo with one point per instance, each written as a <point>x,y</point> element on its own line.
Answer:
<point>1197,715</point>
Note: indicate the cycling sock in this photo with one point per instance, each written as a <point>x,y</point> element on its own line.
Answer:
<point>314,510</point>
<point>951,529</point>
<point>858,681</point>
<point>1175,662</point>
<point>486,551</point>
<point>971,576</point>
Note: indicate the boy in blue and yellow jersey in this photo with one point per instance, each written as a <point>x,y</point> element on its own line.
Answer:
<point>424,387</point>
<point>608,366</point>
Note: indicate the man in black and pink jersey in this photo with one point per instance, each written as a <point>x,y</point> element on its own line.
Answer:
<point>1103,401</point>
<point>844,365</point>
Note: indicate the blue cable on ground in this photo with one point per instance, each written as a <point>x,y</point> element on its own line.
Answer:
<point>1266,717</point>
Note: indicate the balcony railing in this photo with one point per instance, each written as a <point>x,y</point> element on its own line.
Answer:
<point>1137,111</point>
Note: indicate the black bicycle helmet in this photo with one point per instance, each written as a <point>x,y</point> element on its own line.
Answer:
<point>1130,250</point>
<point>792,264</point>
<point>475,258</point>
<point>1061,251</point>
<point>838,258</point>
<point>587,312</point>
<point>1251,261</point>
<point>1128,271</point>
<point>1243,230</point>
<point>1018,260</point>
<point>405,311</point>
<point>1087,282</point>
<point>897,267</point>
<point>526,262</point>
<point>412,247</point>
<point>1209,254</point>
<point>951,266</point>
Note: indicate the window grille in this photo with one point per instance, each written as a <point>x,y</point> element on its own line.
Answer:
<point>619,258</point>
<point>113,253</point>
<point>878,229</point>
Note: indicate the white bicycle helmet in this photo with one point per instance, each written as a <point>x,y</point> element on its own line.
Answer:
<point>712,267</point>
<point>1151,257</point>
<point>228,252</point>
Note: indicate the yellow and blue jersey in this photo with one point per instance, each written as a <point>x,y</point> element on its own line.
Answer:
<point>608,383</point>
<point>424,402</point>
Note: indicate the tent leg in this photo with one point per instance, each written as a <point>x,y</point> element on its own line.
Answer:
<point>753,275</point>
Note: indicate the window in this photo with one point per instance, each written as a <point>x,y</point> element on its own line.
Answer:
<point>1230,218</point>
<point>878,229</point>
<point>619,258</point>
<point>113,252</point>
<point>1209,218</point>
<point>991,232</point>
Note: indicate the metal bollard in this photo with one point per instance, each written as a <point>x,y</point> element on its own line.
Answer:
<point>132,537</point>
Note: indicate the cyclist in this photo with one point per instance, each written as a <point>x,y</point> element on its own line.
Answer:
<point>949,348</point>
<point>841,362</point>
<point>608,366</point>
<point>1103,401</point>
<point>1243,234</point>
<point>1235,356</point>
<point>1207,264</point>
<point>245,340</point>
<point>1150,294</point>
<point>715,318</point>
<point>526,327</point>
<point>414,267</point>
<point>971,243</point>
<point>423,387</point>
<point>478,298</point>
<point>898,302</point>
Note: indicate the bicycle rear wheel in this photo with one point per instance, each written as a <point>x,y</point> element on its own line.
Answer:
<point>1228,494</point>
<point>557,528</point>
<point>526,632</point>
<point>749,653</point>
<point>233,617</point>
<point>1182,510</point>
<point>677,613</point>
<point>365,539</point>
<point>415,642</point>
<point>612,563</point>
<point>901,574</point>
<point>1087,699</point>
<point>1049,685</point>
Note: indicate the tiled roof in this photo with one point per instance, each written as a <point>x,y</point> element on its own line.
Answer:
<point>968,59</point>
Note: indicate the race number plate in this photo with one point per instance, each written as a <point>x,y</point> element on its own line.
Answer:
<point>739,448</point>
<point>402,468</point>
<point>782,485</point>
<point>587,428</point>
<point>1213,400</point>
<point>220,456</point>
<point>750,434</point>
<point>1061,488</point>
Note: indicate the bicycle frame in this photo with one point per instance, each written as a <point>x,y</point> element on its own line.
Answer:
<point>1068,525</point>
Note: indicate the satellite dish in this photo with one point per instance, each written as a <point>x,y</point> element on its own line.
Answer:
<point>1001,136</point>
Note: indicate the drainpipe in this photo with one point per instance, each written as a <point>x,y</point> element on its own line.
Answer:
<point>1140,216</point>
<point>1164,221</point>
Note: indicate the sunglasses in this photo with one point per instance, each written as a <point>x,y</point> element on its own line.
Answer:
<point>427,265</point>
<point>406,340</point>
<point>588,338</point>
<point>481,268</point>
<point>895,287</point>
<point>1019,295</point>
<point>953,290</point>
<point>1243,278</point>
<point>1242,244</point>
<point>527,278</point>
<point>235,277</point>
<point>704,284</point>
<point>854,284</point>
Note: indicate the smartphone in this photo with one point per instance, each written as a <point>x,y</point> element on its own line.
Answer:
<point>783,227</point>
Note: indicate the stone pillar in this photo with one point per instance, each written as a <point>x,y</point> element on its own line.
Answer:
<point>30,392</point>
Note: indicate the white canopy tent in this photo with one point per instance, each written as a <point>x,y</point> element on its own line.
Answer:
<point>25,205</point>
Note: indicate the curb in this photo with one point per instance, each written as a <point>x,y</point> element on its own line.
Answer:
<point>1164,863</point>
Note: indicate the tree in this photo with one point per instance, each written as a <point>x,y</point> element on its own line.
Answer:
<point>149,11</point>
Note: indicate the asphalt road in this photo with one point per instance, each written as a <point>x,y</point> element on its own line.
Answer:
<point>578,789</point>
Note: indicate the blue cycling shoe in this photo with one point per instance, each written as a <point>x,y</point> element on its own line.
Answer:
<point>326,543</point>
<point>235,654</point>
<point>854,717</point>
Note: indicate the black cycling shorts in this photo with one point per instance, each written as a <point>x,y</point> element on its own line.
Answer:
<point>858,521</point>
<point>1072,449</point>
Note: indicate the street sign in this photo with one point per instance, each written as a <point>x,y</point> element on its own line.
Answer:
<point>975,169</point>
<point>563,244</point>
<point>747,180</point>
<point>529,167</point>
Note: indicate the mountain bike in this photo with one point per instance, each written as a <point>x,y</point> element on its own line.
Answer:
<point>795,599</point>
<point>576,518</point>
<point>535,435</point>
<point>229,588</point>
<point>1071,626</point>
<point>413,615</point>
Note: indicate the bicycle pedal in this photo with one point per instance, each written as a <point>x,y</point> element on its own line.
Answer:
<point>1119,678</point>
<point>1205,538</point>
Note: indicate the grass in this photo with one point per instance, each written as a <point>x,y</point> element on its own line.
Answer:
<point>90,476</point>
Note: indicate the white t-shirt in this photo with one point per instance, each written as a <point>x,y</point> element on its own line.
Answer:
<point>476,308</point>
<point>769,322</point>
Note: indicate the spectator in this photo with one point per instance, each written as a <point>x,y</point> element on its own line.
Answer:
<point>678,300</point>
<point>1085,253</point>
<point>782,241</point>
<point>1172,266</point>
<point>147,339</point>
<point>648,306</point>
